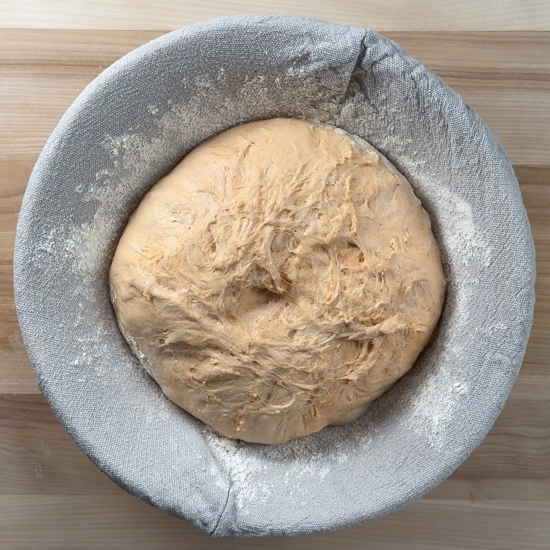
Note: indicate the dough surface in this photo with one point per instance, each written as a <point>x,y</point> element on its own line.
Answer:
<point>278,280</point>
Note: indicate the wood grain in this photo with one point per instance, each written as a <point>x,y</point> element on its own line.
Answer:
<point>15,370</point>
<point>120,521</point>
<point>52,496</point>
<point>384,15</point>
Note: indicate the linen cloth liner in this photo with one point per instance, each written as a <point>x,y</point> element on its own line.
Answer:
<point>127,129</point>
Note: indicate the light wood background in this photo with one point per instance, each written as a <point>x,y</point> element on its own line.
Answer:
<point>496,53</point>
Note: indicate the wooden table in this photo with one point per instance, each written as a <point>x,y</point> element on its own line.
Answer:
<point>496,53</point>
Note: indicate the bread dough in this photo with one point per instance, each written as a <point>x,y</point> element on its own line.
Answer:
<point>278,280</point>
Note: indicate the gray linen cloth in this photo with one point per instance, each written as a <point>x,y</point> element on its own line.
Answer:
<point>130,127</point>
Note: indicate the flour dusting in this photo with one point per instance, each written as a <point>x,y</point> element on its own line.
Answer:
<point>439,392</point>
<point>240,468</point>
<point>304,463</point>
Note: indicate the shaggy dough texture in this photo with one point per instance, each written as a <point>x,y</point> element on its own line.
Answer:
<point>278,280</point>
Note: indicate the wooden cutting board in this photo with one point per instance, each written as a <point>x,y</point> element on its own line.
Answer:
<point>495,53</point>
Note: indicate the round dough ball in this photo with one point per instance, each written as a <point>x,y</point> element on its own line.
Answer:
<point>278,280</point>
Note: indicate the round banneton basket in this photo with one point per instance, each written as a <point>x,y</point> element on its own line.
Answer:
<point>127,129</point>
